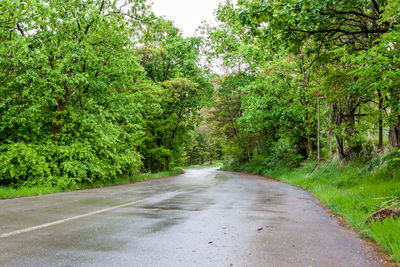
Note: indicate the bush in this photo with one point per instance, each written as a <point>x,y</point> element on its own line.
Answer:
<point>21,164</point>
<point>63,166</point>
<point>284,153</point>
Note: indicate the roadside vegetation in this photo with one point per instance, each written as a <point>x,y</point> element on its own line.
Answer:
<point>311,96</point>
<point>96,93</point>
<point>91,91</point>
<point>27,191</point>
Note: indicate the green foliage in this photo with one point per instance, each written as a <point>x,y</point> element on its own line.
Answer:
<point>83,101</point>
<point>66,115</point>
<point>21,163</point>
<point>292,64</point>
<point>387,234</point>
<point>287,60</point>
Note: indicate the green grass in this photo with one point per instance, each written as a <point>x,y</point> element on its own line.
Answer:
<point>8,192</point>
<point>353,191</point>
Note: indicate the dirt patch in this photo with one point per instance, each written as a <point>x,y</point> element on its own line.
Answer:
<point>382,214</point>
<point>259,178</point>
<point>304,198</point>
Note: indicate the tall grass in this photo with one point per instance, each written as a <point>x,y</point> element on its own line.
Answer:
<point>353,191</point>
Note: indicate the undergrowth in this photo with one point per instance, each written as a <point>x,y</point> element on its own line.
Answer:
<point>352,190</point>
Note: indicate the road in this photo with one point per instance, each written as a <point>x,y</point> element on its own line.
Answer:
<point>204,217</point>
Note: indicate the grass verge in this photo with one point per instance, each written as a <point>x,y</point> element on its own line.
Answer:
<point>8,192</point>
<point>353,191</point>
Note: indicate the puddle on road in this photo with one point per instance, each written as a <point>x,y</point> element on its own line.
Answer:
<point>167,213</point>
<point>154,219</point>
<point>221,177</point>
<point>165,224</point>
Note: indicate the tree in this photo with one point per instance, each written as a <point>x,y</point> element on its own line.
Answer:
<point>172,63</point>
<point>299,51</point>
<point>91,90</point>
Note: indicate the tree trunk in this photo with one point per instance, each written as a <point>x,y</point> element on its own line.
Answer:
<point>340,148</point>
<point>380,122</point>
<point>166,164</point>
<point>330,137</point>
<point>57,125</point>
<point>319,140</point>
<point>349,118</point>
<point>309,145</point>
<point>338,120</point>
<point>394,135</point>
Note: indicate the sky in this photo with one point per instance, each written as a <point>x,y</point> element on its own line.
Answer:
<point>186,14</point>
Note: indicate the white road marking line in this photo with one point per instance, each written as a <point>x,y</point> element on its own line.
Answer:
<point>71,218</point>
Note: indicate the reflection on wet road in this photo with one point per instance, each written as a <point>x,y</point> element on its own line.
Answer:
<point>204,217</point>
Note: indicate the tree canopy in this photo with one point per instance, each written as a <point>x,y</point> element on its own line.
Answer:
<point>289,59</point>
<point>92,90</point>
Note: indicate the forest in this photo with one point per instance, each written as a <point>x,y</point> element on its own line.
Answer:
<point>91,91</point>
<point>311,97</point>
<point>307,67</point>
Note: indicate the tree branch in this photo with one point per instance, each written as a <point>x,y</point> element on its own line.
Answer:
<point>77,20</point>
<point>338,30</point>
<point>355,13</point>
<point>376,6</point>
<point>101,6</point>
<point>90,24</point>
<point>354,115</point>
<point>20,30</point>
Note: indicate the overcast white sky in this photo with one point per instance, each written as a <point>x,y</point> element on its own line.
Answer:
<point>186,14</point>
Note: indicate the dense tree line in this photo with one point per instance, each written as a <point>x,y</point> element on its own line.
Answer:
<point>92,90</point>
<point>290,62</point>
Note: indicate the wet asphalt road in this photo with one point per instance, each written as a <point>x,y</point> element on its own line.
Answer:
<point>204,217</point>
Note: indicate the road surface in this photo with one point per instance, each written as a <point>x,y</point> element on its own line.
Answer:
<point>204,217</point>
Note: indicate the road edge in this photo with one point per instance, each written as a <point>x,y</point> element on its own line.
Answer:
<point>342,222</point>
